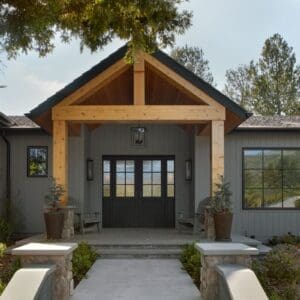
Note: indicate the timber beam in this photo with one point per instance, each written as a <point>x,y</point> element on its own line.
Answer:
<point>138,113</point>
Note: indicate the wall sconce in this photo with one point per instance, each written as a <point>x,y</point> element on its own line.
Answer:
<point>188,170</point>
<point>89,169</point>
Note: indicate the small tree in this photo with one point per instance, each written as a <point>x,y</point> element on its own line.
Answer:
<point>56,191</point>
<point>221,200</point>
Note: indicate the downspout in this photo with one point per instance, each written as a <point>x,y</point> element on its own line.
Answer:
<point>8,176</point>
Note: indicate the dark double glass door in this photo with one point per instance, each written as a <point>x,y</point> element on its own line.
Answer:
<point>138,191</point>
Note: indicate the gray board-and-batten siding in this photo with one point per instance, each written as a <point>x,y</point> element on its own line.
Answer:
<point>28,193</point>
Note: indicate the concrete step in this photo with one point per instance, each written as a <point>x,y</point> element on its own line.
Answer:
<point>139,251</point>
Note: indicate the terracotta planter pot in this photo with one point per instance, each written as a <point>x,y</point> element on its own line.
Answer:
<point>54,224</point>
<point>223,223</point>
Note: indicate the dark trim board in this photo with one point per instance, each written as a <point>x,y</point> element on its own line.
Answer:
<point>139,210</point>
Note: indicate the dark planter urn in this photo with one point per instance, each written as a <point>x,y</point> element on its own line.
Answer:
<point>223,223</point>
<point>54,224</point>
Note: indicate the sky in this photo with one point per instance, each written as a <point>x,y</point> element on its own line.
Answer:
<point>230,32</point>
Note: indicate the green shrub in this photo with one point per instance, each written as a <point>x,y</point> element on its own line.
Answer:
<point>2,286</point>
<point>5,231</point>
<point>2,249</point>
<point>83,258</point>
<point>278,272</point>
<point>190,259</point>
<point>297,203</point>
<point>288,238</point>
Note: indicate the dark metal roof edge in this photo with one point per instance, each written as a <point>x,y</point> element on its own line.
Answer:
<point>201,84</point>
<point>77,83</point>
<point>261,129</point>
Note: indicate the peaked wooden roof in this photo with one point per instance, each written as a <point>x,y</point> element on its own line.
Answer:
<point>160,56</point>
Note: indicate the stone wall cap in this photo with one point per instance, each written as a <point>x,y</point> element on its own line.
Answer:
<point>218,248</point>
<point>46,249</point>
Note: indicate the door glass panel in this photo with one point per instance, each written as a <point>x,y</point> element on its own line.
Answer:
<point>156,178</point>
<point>129,190</point>
<point>147,178</point>
<point>120,165</point>
<point>129,166</point>
<point>156,166</point>
<point>125,178</point>
<point>106,190</point>
<point>147,165</point>
<point>120,178</point>
<point>170,179</point>
<point>170,165</point>
<point>120,190</point>
<point>147,191</point>
<point>156,190</point>
<point>152,178</point>
<point>106,178</point>
<point>170,190</point>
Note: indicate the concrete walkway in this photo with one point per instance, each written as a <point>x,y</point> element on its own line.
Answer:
<point>141,279</point>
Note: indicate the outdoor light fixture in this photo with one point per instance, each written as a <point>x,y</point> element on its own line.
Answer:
<point>89,169</point>
<point>138,136</point>
<point>188,170</point>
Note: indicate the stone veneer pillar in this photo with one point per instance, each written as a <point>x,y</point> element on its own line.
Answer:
<point>213,254</point>
<point>58,254</point>
<point>209,224</point>
<point>68,229</point>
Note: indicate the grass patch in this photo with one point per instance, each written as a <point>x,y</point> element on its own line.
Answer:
<point>191,261</point>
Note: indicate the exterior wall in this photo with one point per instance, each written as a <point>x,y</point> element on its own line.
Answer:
<point>160,140</point>
<point>2,176</point>
<point>263,224</point>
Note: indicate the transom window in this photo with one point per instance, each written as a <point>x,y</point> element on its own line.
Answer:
<point>271,178</point>
<point>37,161</point>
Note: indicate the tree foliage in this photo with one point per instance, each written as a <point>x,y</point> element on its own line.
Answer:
<point>193,59</point>
<point>271,86</point>
<point>34,24</point>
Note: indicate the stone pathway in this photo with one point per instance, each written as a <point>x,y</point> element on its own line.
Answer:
<point>140,279</point>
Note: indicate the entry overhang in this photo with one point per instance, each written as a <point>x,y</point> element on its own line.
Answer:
<point>136,113</point>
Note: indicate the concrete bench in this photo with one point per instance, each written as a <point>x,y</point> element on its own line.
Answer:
<point>237,282</point>
<point>31,283</point>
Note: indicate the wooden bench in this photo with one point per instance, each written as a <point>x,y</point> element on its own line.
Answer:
<point>89,219</point>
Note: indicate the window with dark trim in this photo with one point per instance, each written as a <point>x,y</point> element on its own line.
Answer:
<point>37,161</point>
<point>271,178</point>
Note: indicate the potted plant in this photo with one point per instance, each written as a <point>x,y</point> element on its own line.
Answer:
<point>221,208</point>
<point>54,216</point>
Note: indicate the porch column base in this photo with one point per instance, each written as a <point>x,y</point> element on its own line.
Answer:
<point>68,229</point>
<point>58,254</point>
<point>213,254</point>
<point>209,224</point>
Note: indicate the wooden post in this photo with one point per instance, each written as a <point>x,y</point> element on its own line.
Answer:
<point>60,156</point>
<point>217,153</point>
<point>139,81</point>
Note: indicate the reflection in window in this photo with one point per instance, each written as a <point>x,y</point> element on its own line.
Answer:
<point>37,161</point>
<point>151,178</point>
<point>271,178</point>
<point>125,178</point>
<point>106,178</point>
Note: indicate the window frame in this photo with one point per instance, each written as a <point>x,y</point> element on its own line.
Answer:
<point>27,159</point>
<point>282,189</point>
